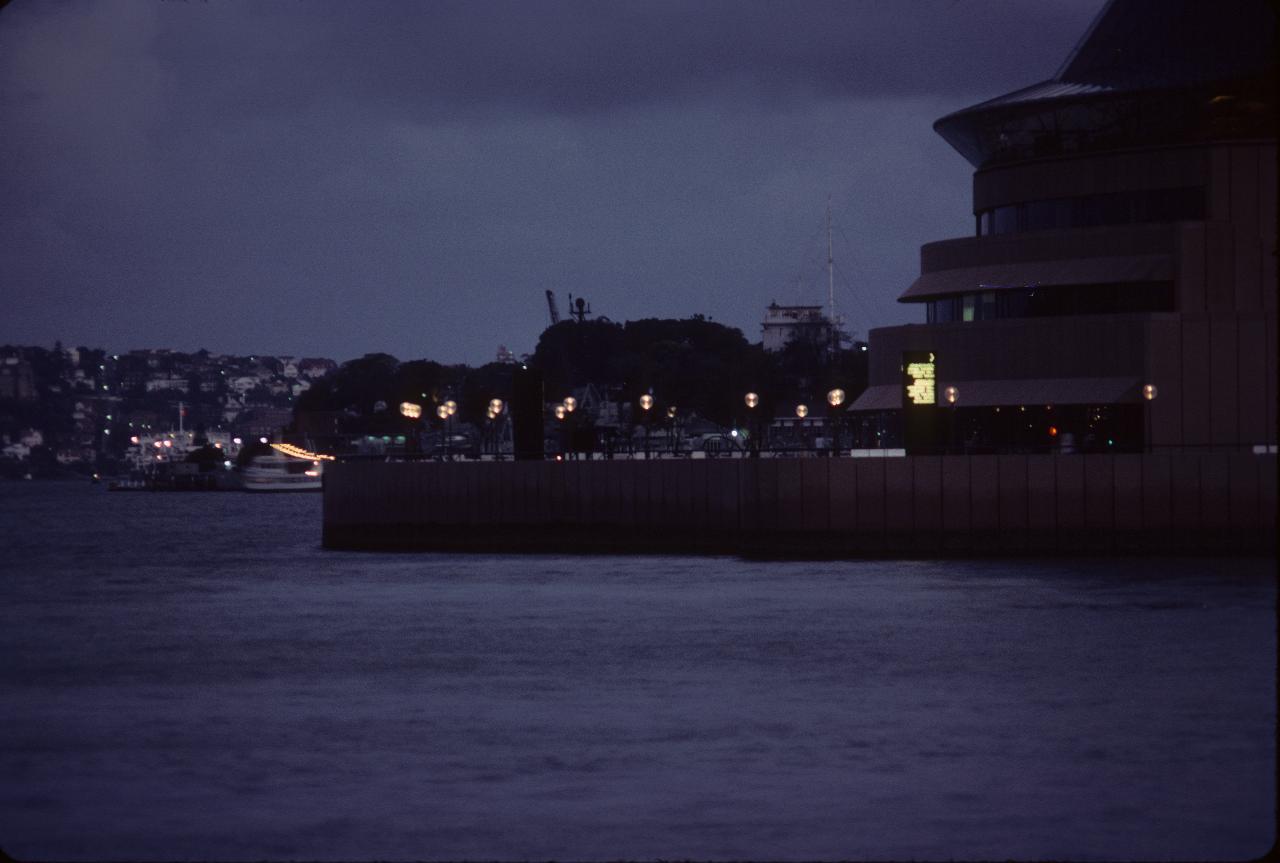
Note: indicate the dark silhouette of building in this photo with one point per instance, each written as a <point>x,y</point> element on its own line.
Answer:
<point>1125,245</point>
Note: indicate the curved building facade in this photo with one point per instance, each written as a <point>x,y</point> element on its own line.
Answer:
<point>1124,246</point>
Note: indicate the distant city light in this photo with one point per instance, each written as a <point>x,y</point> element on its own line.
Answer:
<point>262,440</point>
<point>560,412</point>
<point>802,411</point>
<point>835,398</point>
<point>451,406</point>
<point>1149,391</point>
<point>410,410</point>
<point>237,441</point>
<point>646,401</point>
<point>298,452</point>
<point>442,411</point>
<point>952,395</point>
<point>752,399</point>
<point>570,404</point>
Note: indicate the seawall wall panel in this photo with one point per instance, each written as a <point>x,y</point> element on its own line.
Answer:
<point>1208,502</point>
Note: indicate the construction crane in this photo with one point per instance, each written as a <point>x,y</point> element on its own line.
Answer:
<point>551,306</point>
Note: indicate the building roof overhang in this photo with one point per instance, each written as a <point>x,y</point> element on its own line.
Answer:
<point>1077,271</point>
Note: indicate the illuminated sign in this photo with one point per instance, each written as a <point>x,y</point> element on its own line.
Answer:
<point>919,377</point>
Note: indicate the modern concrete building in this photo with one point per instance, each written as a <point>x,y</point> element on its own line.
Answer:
<point>1125,241</point>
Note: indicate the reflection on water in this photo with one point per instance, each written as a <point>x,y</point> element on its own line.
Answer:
<point>191,676</point>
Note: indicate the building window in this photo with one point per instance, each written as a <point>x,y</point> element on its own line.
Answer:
<point>1087,211</point>
<point>1044,301</point>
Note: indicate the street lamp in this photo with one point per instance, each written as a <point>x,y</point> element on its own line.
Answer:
<point>493,413</point>
<point>801,411</point>
<point>570,404</point>
<point>646,402</point>
<point>752,400</point>
<point>1149,393</point>
<point>952,395</point>
<point>444,413</point>
<point>835,398</point>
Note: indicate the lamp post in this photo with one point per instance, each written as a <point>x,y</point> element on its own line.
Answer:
<point>646,403</point>
<point>752,401</point>
<point>411,411</point>
<point>570,405</point>
<point>671,428</point>
<point>835,398</point>
<point>560,414</point>
<point>1149,393</point>
<point>494,414</point>
<point>442,411</point>
<point>952,395</point>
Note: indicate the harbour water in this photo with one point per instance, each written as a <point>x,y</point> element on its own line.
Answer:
<point>190,676</point>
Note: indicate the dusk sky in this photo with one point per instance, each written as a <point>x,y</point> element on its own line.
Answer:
<point>334,178</point>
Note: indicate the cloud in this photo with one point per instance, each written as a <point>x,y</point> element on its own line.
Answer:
<point>342,177</point>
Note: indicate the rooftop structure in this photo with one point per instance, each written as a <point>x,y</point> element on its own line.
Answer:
<point>785,324</point>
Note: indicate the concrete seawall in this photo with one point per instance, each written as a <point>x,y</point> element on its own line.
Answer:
<point>1213,503</point>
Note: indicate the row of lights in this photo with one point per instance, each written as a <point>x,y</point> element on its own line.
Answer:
<point>835,398</point>
<point>298,452</point>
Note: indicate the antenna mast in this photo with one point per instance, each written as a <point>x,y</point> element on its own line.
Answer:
<point>831,283</point>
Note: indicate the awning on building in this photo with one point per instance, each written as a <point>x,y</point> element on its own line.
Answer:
<point>1004,277</point>
<point>883,397</point>
<point>1023,391</point>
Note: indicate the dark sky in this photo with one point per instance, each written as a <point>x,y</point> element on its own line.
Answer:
<point>334,178</point>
